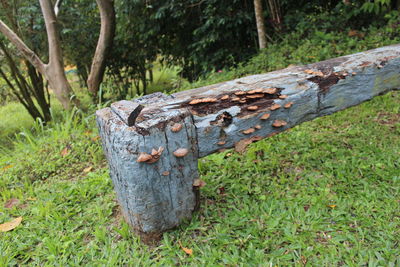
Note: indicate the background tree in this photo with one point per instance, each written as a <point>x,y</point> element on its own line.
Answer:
<point>258,10</point>
<point>23,81</point>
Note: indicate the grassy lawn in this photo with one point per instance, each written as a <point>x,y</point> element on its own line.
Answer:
<point>325,193</point>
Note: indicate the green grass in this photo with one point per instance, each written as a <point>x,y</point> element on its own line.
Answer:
<point>13,118</point>
<point>326,193</point>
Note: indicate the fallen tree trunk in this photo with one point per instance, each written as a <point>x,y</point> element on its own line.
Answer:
<point>152,144</point>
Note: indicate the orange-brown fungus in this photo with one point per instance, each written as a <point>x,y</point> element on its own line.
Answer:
<point>279,123</point>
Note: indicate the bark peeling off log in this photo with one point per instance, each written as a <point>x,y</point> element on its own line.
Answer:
<point>158,196</point>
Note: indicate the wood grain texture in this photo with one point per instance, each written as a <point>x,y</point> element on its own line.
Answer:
<point>158,196</point>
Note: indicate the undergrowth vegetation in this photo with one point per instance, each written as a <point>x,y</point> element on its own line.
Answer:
<point>325,193</point>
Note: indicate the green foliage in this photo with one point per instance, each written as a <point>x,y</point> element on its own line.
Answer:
<point>300,47</point>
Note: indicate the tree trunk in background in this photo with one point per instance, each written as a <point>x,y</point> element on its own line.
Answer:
<point>104,44</point>
<point>260,24</point>
<point>54,70</point>
<point>275,11</point>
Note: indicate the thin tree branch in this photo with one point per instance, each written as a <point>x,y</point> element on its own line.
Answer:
<point>57,7</point>
<point>22,47</point>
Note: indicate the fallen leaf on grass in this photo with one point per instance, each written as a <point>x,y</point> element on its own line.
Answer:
<point>7,167</point>
<point>95,138</point>
<point>65,151</point>
<point>188,251</point>
<point>11,203</point>
<point>8,226</point>
<point>88,169</point>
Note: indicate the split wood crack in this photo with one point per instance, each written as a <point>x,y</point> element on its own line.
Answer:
<point>153,143</point>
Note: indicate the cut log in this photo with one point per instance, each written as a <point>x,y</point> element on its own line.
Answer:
<point>157,196</point>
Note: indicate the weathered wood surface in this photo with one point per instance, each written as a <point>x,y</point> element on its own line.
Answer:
<point>156,193</point>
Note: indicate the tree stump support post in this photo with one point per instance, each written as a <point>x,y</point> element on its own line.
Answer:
<point>153,143</point>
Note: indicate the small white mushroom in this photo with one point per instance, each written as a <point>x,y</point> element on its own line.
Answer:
<point>181,152</point>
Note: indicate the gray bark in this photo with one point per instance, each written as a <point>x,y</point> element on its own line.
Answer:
<point>156,193</point>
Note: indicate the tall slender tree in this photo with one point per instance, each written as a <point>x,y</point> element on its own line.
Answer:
<point>258,10</point>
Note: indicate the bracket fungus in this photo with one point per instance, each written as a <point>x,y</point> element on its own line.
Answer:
<point>249,131</point>
<point>176,127</point>
<point>265,116</point>
<point>181,152</point>
<point>279,123</point>
<point>203,100</point>
<point>253,108</point>
<point>150,158</point>
<point>270,91</point>
<point>288,105</point>
<point>199,183</point>
<point>240,93</point>
<point>275,107</point>
<point>255,96</point>
<point>255,91</point>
